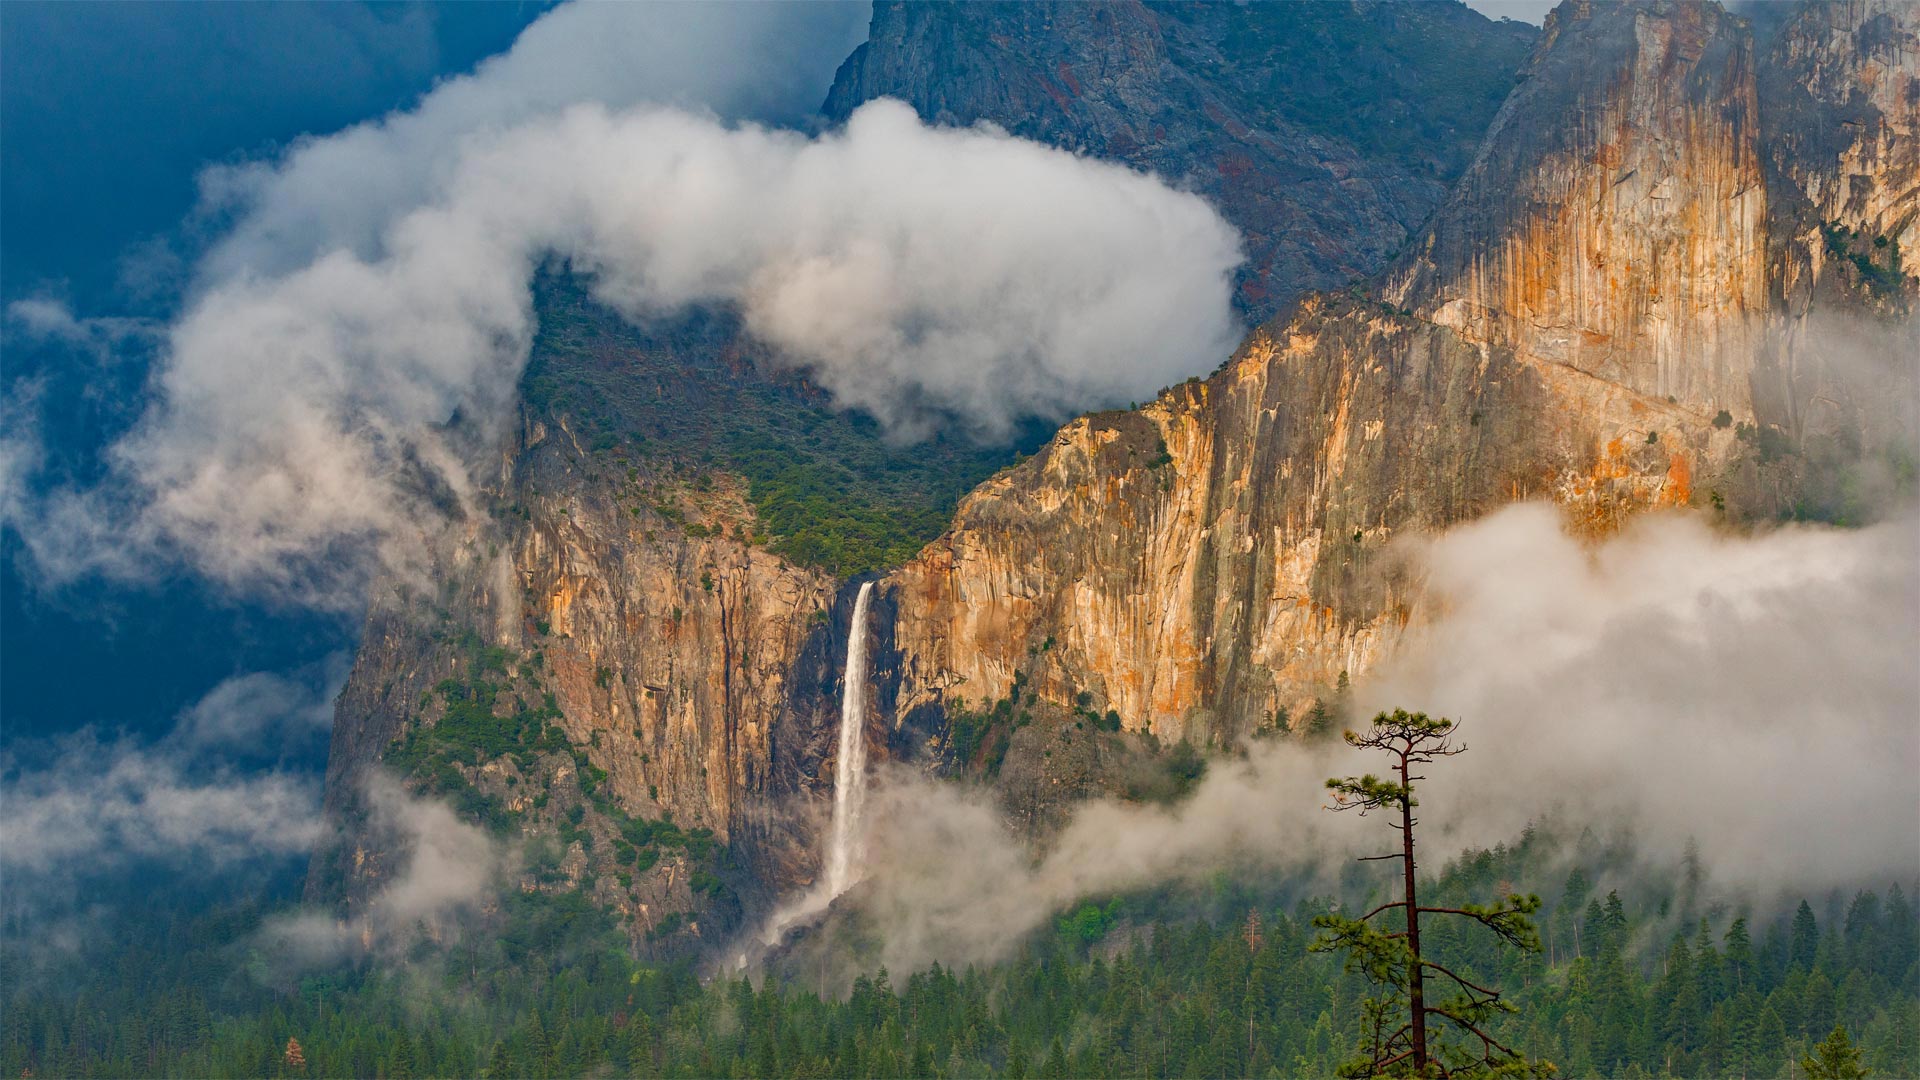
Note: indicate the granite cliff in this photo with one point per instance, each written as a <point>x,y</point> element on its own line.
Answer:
<point>1621,304</point>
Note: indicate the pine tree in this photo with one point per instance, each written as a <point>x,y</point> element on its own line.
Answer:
<point>1055,1067</point>
<point>1862,929</point>
<point>1902,939</point>
<point>1613,924</point>
<point>1394,959</point>
<point>1817,1004</point>
<point>1016,1060</point>
<point>1739,957</point>
<point>1836,1058</point>
<point>1572,895</point>
<point>401,1065</point>
<point>294,1057</point>
<point>1803,941</point>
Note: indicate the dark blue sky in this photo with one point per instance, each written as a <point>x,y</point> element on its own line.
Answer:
<point>107,113</point>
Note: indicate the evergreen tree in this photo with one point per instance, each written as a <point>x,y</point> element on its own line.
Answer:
<point>1902,948</point>
<point>1739,955</point>
<point>1396,959</point>
<point>1803,941</point>
<point>1613,924</point>
<point>1055,1067</point>
<point>499,1062</point>
<point>1836,1058</point>
<point>1572,895</point>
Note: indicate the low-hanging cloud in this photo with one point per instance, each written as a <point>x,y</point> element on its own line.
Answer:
<point>449,870</point>
<point>921,273</point>
<point>947,880</point>
<point>768,62</point>
<point>212,790</point>
<point>1756,693</point>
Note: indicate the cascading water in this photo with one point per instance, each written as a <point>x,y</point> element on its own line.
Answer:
<point>850,770</point>
<point>840,870</point>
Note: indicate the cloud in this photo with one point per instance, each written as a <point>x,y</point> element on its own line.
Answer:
<point>87,803</point>
<point>262,713</point>
<point>1526,11</point>
<point>768,62</point>
<point>374,287</point>
<point>946,880</point>
<point>916,271</point>
<point>217,792</point>
<point>450,868</point>
<point>1754,692</point>
<point>103,802</point>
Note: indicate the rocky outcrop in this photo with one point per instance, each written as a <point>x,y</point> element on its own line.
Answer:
<point>1841,146</point>
<point>1842,123</point>
<point>1614,221</point>
<point>623,599</point>
<point>1580,321</point>
<point>1222,554</point>
<point>1325,132</point>
<point>1618,307</point>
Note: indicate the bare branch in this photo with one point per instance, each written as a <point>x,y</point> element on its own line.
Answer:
<point>1493,995</point>
<point>1383,907</point>
<point>1469,1025</point>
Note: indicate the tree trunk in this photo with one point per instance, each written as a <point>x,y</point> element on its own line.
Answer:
<point>1416,998</point>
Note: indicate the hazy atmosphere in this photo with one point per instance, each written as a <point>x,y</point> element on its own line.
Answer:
<point>818,539</point>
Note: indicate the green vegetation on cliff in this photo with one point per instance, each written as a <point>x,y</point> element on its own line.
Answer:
<point>830,489</point>
<point>490,742</point>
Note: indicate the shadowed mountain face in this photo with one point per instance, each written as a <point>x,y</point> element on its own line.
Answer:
<point>1616,307</point>
<point>1326,132</point>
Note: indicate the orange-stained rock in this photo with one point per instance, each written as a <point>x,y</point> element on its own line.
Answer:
<point>1574,321</point>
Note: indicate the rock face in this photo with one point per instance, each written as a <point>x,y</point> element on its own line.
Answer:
<point>1220,555</point>
<point>1614,221</point>
<point>1326,132</point>
<point>625,598</point>
<point>1572,324</point>
<point>1841,147</point>
<point>1842,85</point>
<point>1618,307</point>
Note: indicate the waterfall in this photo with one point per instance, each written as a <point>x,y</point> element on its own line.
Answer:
<point>840,869</point>
<point>850,770</point>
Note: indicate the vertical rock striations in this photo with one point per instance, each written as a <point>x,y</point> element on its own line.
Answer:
<point>620,605</point>
<point>1581,320</point>
<point>1841,146</point>
<point>1619,306</point>
<point>1614,220</point>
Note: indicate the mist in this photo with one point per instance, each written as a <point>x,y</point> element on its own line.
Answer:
<point>767,62</point>
<point>300,435</point>
<point>1758,693</point>
<point>1676,682</point>
<point>449,871</point>
<point>225,785</point>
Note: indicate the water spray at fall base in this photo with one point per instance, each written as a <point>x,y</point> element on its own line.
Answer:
<point>840,861</point>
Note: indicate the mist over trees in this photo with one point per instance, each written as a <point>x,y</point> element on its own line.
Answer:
<point>1642,974</point>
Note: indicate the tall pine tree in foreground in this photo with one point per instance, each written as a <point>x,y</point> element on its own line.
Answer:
<point>1411,1031</point>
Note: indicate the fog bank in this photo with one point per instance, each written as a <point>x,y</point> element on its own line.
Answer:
<point>1755,692</point>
